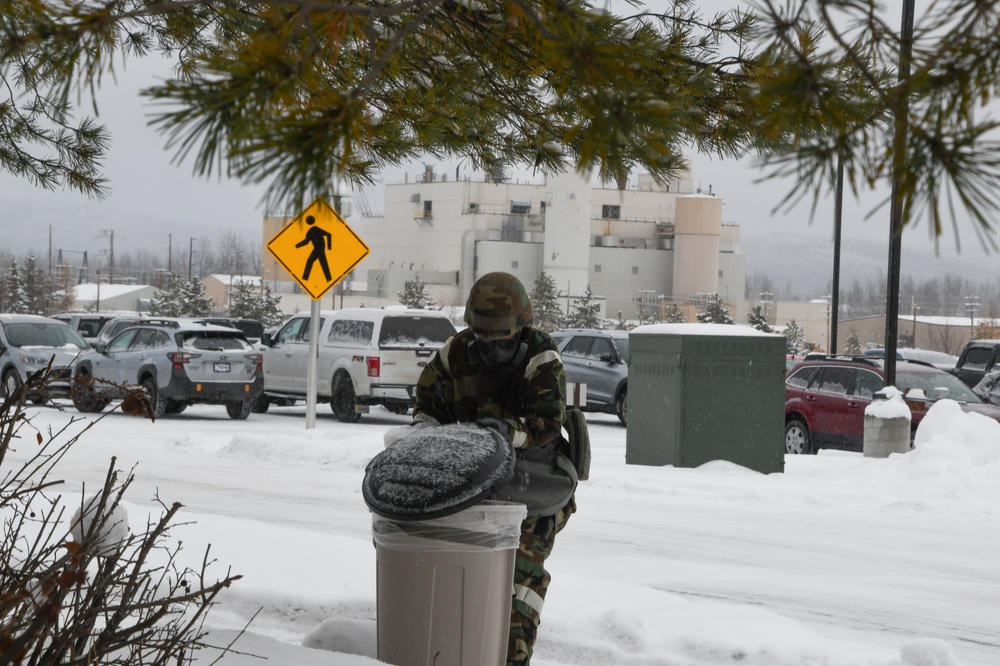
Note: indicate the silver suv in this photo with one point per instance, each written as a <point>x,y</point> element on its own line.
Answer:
<point>366,357</point>
<point>598,361</point>
<point>177,363</point>
<point>28,343</point>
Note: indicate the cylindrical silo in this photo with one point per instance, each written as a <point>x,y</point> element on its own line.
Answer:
<point>567,231</point>
<point>697,227</point>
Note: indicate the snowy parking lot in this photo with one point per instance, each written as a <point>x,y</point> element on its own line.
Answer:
<point>841,560</point>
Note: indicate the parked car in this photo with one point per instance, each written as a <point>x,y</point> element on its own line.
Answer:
<point>121,322</point>
<point>251,328</point>
<point>28,344</point>
<point>176,363</point>
<point>598,360</point>
<point>939,360</point>
<point>978,359</point>
<point>825,400</point>
<point>365,357</point>
<point>87,324</point>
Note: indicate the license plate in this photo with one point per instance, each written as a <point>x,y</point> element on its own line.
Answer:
<point>221,367</point>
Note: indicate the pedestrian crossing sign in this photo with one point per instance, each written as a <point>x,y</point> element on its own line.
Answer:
<point>317,248</point>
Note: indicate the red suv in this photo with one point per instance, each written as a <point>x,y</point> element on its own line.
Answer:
<point>825,399</point>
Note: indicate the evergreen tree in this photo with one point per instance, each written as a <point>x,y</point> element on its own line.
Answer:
<point>674,314</point>
<point>545,304</point>
<point>181,298</point>
<point>621,324</point>
<point>715,312</point>
<point>758,320</point>
<point>12,292</point>
<point>415,295</point>
<point>648,315</point>
<point>586,312</point>
<point>35,287</point>
<point>853,344</point>
<point>247,301</point>
<point>795,335</point>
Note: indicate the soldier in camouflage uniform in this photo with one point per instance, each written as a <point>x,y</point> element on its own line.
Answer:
<point>503,373</point>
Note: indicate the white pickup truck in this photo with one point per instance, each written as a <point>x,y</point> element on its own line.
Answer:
<point>366,357</point>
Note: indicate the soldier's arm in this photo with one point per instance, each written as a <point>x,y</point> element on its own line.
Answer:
<point>545,403</point>
<point>435,390</point>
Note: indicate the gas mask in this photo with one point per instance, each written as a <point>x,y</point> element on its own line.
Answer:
<point>497,352</point>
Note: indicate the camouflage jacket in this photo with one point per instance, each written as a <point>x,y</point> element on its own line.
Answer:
<point>530,396</point>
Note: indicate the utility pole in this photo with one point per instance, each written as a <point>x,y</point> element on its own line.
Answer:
<point>110,234</point>
<point>170,253</point>
<point>765,300</point>
<point>972,306</point>
<point>914,308</point>
<point>190,257</point>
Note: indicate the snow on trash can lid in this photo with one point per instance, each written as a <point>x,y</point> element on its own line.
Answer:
<point>435,472</point>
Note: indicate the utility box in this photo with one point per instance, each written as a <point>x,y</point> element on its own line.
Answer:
<point>703,392</point>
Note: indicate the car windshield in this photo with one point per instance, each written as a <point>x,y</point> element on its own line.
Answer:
<point>212,341</point>
<point>928,381</point>
<point>44,335</point>
<point>414,331</point>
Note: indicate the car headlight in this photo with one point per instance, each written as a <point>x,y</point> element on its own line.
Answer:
<point>34,360</point>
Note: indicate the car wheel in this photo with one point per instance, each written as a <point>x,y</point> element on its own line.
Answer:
<point>38,399</point>
<point>621,406</point>
<point>239,410</point>
<point>11,383</point>
<point>797,437</point>
<point>83,395</point>
<point>156,403</point>
<point>342,400</point>
<point>397,407</point>
<point>260,404</point>
<point>175,407</point>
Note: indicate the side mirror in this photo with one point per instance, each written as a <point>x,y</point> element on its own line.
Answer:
<point>265,339</point>
<point>607,358</point>
<point>101,347</point>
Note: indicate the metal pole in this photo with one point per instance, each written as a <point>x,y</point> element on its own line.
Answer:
<point>190,257</point>
<point>838,214</point>
<point>896,211</point>
<point>311,366</point>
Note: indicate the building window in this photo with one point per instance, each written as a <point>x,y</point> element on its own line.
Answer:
<point>635,270</point>
<point>720,275</point>
<point>611,212</point>
<point>541,208</point>
<point>520,207</point>
<point>428,209</point>
<point>513,264</point>
<point>473,207</point>
<point>597,268</point>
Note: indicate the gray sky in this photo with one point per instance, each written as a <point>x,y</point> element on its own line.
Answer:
<point>153,200</point>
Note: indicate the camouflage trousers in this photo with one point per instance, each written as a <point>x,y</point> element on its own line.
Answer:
<point>531,580</point>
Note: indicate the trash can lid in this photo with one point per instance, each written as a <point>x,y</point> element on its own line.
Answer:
<point>435,472</point>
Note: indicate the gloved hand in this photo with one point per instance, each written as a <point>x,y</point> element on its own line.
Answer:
<point>393,435</point>
<point>495,424</point>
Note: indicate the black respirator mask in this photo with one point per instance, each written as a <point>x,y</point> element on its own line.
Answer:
<point>496,353</point>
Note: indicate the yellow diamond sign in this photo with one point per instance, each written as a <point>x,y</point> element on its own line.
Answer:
<point>318,248</point>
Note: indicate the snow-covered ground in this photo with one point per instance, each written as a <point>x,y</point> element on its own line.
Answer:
<point>841,560</point>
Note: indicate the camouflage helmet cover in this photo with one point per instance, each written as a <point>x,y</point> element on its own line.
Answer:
<point>498,306</point>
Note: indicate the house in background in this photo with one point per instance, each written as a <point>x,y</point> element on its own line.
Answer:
<point>99,297</point>
<point>217,288</point>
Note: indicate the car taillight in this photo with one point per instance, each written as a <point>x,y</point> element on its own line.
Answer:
<point>180,358</point>
<point>373,365</point>
<point>256,359</point>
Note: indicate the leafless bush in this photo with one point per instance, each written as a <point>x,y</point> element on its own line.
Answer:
<point>108,596</point>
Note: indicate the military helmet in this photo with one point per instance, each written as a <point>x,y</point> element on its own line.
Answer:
<point>498,306</point>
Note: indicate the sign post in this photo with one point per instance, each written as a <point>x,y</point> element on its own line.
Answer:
<point>318,250</point>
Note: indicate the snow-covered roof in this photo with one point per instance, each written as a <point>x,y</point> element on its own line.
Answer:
<point>230,279</point>
<point>88,290</point>
<point>700,329</point>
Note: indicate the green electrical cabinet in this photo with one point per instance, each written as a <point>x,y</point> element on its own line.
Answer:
<point>702,392</point>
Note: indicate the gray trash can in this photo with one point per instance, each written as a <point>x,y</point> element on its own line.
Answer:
<point>444,586</point>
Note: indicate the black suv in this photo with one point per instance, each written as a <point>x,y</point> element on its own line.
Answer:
<point>598,361</point>
<point>978,359</point>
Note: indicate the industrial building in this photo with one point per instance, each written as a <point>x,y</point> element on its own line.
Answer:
<point>643,246</point>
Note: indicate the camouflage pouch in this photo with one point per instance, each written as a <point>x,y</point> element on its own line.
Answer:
<point>578,442</point>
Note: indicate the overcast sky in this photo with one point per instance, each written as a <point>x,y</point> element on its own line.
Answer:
<point>154,203</point>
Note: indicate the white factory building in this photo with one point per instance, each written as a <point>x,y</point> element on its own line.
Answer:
<point>654,243</point>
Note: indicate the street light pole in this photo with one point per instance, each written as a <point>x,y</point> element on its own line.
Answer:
<point>190,257</point>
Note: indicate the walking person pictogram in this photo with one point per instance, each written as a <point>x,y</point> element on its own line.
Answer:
<point>320,240</point>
